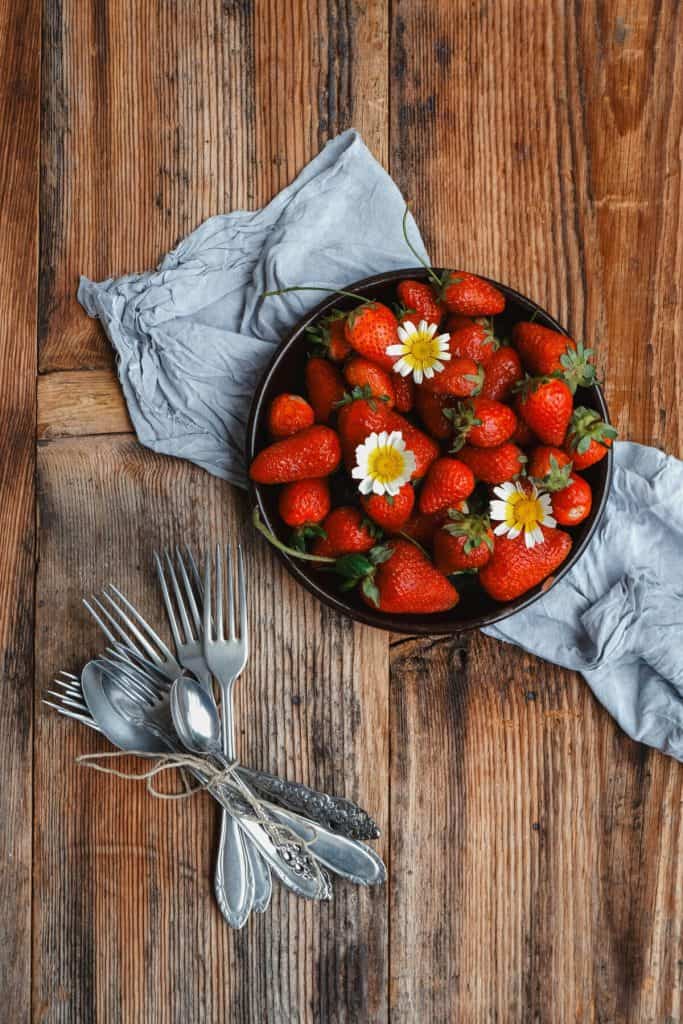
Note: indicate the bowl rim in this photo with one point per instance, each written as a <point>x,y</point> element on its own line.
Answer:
<point>368,616</point>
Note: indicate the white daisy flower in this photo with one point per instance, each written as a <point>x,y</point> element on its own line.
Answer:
<point>421,353</point>
<point>383,463</point>
<point>521,506</point>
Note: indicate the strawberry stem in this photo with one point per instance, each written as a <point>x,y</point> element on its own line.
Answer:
<point>272,539</point>
<point>433,276</point>
<point>314,288</point>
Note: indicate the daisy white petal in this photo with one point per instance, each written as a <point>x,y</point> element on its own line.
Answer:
<point>498,510</point>
<point>417,376</point>
<point>366,486</point>
<point>394,350</point>
<point>501,529</point>
<point>514,531</point>
<point>550,521</point>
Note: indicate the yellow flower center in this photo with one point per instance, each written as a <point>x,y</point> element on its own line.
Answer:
<point>421,351</point>
<point>385,464</point>
<point>524,511</point>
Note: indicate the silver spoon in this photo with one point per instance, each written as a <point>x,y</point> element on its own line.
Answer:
<point>148,729</point>
<point>197,723</point>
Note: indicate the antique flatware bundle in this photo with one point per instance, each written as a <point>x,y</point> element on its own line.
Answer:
<point>150,701</point>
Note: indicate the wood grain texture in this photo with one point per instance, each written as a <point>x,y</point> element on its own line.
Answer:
<point>19,149</point>
<point>126,927</point>
<point>527,143</point>
<point>154,119</point>
<point>77,403</point>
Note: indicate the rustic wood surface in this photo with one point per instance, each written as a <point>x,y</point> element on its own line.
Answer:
<point>534,851</point>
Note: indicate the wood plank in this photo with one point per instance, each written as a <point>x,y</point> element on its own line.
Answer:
<point>211,113</point>
<point>152,121</point>
<point>80,402</point>
<point>126,924</point>
<point>19,170</point>
<point>527,144</point>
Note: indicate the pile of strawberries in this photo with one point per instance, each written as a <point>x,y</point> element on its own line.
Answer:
<point>496,413</point>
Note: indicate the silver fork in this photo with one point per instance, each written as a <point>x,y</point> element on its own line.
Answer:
<point>226,659</point>
<point>190,651</point>
<point>187,636</point>
<point>138,636</point>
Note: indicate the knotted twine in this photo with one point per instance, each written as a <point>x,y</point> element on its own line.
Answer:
<point>215,781</point>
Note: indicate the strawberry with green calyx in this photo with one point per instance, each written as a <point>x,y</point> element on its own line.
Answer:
<point>545,404</point>
<point>481,422</point>
<point>464,542</point>
<point>324,387</point>
<point>494,465</point>
<point>361,373</point>
<point>545,352</point>
<point>417,298</point>
<point>503,370</point>
<point>447,483</point>
<point>459,377</point>
<point>328,338</point>
<point>398,578</point>
<point>459,291</point>
<point>404,392</point>
<point>588,438</point>
<point>472,339</point>
<point>390,512</point>
<point>314,452</point>
<point>515,568</point>
<point>346,530</point>
<point>259,525</point>
<point>571,497</point>
<point>359,414</point>
<point>304,502</point>
<point>547,462</point>
<point>288,414</point>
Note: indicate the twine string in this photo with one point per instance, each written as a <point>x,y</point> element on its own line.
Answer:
<point>217,781</point>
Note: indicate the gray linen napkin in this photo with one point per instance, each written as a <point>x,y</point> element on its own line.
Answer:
<point>193,336</point>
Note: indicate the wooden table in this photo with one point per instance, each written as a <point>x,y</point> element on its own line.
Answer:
<point>534,851</point>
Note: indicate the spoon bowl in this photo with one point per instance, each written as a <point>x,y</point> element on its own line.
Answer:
<point>195,717</point>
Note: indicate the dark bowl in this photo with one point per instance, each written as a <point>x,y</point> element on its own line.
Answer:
<point>475,608</point>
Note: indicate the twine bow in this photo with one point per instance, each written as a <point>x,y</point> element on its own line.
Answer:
<point>217,781</point>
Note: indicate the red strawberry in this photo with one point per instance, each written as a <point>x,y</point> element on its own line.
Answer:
<point>545,404</point>
<point>303,504</point>
<point>572,504</point>
<point>502,372</point>
<point>362,373</point>
<point>471,339</point>
<point>346,530</point>
<point>523,435</point>
<point>424,448</point>
<point>459,377</point>
<point>514,568</point>
<point>541,461</point>
<point>324,386</point>
<point>588,437</point>
<point>289,414</point>
<point>464,542</point>
<point>370,330</point>
<point>544,352</point>
<point>494,465</point>
<point>571,496</point>
<point>420,302</point>
<point>398,578</point>
<point>431,408</point>
<point>328,336</point>
<point>470,295</point>
<point>404,390</point>
<point>391,513</point>
<point>448,482</point>
<point>310,453</point>
<point>423,527</point>
<point>358,417</point>
<point>481,422</point>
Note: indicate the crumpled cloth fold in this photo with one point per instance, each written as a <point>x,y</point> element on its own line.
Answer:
<point>193,337</point>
